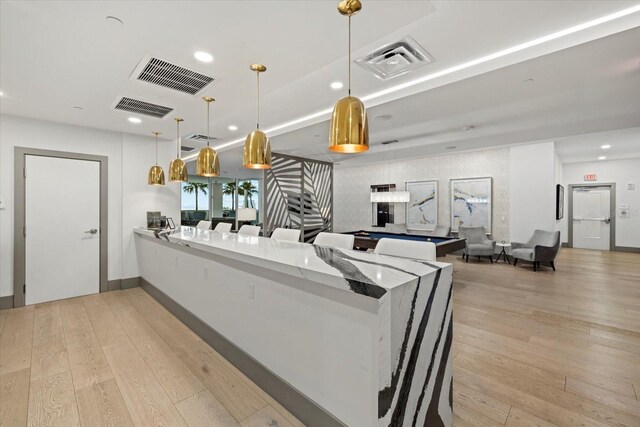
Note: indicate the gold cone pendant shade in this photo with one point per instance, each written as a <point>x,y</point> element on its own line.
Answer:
<point>156,174</point>
<point>208,163</point>
<point>257,149</point>
<point>349,132</point>
<point>177,167</point>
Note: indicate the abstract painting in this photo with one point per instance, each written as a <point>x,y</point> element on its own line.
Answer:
<point>422,209</point>
<point>559,201</point>
<point>471,203</point>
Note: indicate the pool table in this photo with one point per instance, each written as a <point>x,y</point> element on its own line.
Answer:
<point>369,239</point>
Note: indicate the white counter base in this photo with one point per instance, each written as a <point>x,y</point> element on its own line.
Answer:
<point>338,347</point>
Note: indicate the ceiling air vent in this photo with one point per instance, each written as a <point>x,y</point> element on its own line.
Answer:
<point>396,58</point>
<point>200,138</point>
<point>141,107</point>
<point>163,73</point>
<point>185,148</point>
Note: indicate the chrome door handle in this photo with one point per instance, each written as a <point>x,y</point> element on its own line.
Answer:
<point>92,231</point>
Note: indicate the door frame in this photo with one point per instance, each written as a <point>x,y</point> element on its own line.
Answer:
<point>19,193</point>
<point>612,211</point>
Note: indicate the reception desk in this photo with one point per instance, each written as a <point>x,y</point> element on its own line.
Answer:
<point>365,338</point>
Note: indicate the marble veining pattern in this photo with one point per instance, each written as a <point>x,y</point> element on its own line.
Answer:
<point>414,311</point>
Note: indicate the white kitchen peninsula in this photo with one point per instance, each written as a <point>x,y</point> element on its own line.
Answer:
<point>365,337</point>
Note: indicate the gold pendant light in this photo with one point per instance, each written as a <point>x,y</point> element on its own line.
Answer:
<point>208,163</point>
<point>177,168</point>
<point>349,131</point>
<point>156,174</point>
<point>257,149</point>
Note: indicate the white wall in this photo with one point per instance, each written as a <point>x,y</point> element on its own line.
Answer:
<point>129,196</point>
<point>622,172</point>
<point>532,175</point>
<point>352,206</point>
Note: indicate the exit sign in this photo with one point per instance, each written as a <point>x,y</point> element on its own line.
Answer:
<point>591,177</point>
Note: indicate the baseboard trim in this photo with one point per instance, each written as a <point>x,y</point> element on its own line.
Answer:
<point>627,249</point>
<point>116,285</point>
<point>131,282</point>
<point>6,302</point>
<point>294,401</point>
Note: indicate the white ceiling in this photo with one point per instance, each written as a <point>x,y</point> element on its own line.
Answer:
<point>625,144</point>
<point>593,87</point>
<point>56,55</point>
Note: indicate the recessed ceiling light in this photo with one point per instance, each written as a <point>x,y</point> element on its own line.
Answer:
<point>602,158</point>
<point>233,128</point>
<point>135,120</point>
<point>605,147</point>
<point>203,56</point>
<point>1,93</point>
<point>337,85</point>
<point>453,69</point>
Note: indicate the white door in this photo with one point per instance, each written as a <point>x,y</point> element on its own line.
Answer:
<point>591,218</point>
<point>62,220</point>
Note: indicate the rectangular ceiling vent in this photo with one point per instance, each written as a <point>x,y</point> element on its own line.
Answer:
<point>141,107</point>
<point>185,148</point>
<point>163,73</point>
<point>200,138</point>
<point>395,58</point>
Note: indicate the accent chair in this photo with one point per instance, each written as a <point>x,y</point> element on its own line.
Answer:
<point>223,227</point>
<point>396,228</point>
<point>204,225</point>
<point>249,230</point>
<point>335,240</point>
<point>543,246</point>
<point>441,231</point>
<point>425,251</point>
<point>476,243</point>
<point>286,234</point>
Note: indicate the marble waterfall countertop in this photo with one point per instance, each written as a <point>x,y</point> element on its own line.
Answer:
<point>412,333</point>
<point>361,272</point>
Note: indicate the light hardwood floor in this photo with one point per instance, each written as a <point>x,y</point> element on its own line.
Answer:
<point>530,349</point>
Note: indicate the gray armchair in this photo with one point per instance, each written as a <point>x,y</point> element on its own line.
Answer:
<point>476,243</point>
<point>543,246</point>
<point>441,231</point>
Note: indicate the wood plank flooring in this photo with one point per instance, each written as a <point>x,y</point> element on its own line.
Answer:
<point>530,349</point>
<point>545,348</point>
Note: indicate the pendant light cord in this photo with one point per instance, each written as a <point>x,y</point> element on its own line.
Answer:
<point>258,103</point>
<point>208,120</point>
<point>156,149</point>
<point>177,139</point>
<point>349,83</point>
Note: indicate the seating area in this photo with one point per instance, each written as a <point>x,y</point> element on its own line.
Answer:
<point>320,213</point>
<point>542,247</point>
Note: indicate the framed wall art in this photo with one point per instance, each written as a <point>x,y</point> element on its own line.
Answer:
<point>470,204</point>
<point>422,209</point>
<point>559,201</point>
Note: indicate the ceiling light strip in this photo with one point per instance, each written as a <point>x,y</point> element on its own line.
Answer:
<point>456,68</point>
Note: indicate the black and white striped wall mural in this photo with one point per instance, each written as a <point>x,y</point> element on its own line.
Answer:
<point>299,195</point>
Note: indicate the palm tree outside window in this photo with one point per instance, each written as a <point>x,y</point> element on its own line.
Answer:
<point>196,187</point>
<point>248,189</point>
